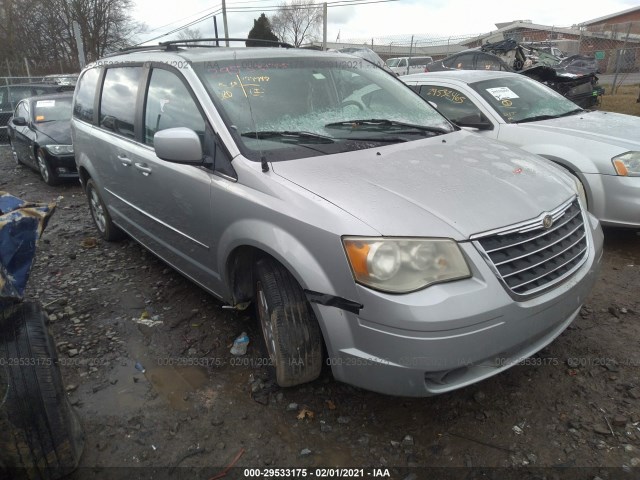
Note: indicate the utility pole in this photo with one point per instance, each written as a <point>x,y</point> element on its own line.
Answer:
<point>77,33</point>
<point>224,21</point>
<point>324,26</point>
<point>215,29</point>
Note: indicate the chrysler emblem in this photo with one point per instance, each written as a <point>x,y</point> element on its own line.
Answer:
<point>547,222</point>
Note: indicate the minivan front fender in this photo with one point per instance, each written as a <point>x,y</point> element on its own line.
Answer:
<point>254,237</point>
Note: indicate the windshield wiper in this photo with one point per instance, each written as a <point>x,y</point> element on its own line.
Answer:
<point>377,124</point>
<point>549,117</point>
<point>289,136</point>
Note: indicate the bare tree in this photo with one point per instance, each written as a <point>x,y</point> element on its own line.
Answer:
<point>189,34</point>
<point>41,31</point>
<point>297,22</point>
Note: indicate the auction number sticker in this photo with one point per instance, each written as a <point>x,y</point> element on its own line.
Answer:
<point>46,103</point>
<point>502,93</point>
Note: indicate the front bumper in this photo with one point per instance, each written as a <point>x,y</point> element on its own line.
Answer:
<point>450,335</point>
<point>63,165</point>
<point>616,199</point>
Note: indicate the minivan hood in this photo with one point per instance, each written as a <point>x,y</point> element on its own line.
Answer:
<point>453,185</point>
<point>614,128</point>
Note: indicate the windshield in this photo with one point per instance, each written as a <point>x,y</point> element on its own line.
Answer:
<point>393,62</point>
<point>52,110</point>
<point>518,99</point>
<point>286,108</point>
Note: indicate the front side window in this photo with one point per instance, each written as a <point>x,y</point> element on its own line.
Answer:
<point>117,105</point>
<point>485,62</point>
<point>85,95</point>
<point>452,103</point>
<point>168,105</point>
<point>286,108</point>
<point>460,62</point>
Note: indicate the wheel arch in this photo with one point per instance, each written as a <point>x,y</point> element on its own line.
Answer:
<point>246,241</point>
<point>575,162</point>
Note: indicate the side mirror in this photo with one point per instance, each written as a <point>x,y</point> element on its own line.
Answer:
<point>20,121</point>
<point>109,122</point>
<point>180,145</point>
<point>478,122</point>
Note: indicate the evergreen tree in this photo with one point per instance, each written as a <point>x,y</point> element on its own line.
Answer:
<point>261,31</point>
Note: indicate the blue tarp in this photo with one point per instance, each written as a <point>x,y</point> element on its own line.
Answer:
<point>21,224</point>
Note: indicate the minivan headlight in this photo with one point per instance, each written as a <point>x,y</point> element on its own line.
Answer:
<point>627,164</point>
<point>59,149</point>
<point>402,265</point>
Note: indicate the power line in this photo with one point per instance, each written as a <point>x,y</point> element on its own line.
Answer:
<point>266,8</point>
<point>184,18</point>
<point>201,19</point>
<point>337,3</point>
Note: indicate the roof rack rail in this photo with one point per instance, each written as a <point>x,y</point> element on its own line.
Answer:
<point>172,45</point>
<point>138,49</point>
<point>216,39</point>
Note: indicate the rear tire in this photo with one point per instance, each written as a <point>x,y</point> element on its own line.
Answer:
<point>40,434</point>
<point>101,218</point>
<point>290,329</point>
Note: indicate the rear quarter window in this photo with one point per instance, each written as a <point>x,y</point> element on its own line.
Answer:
<point>83,106</point>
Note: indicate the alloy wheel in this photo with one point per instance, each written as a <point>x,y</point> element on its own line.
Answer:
<point>266,322</point>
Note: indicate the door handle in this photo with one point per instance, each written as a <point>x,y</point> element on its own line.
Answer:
<point>146,171</point>
<point>124,160</point>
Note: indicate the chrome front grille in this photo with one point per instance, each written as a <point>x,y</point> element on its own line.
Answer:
<point>533,256</point>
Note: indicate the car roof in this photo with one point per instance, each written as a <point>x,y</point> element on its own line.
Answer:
<point>465,76</point>
<point>212,54</point>
<point>52,96</point>
<point>34,84</point>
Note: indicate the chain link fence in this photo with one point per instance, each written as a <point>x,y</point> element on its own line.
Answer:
<point>615,47</point>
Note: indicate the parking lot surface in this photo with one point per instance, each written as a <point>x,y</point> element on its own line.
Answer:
<point>145,357</point>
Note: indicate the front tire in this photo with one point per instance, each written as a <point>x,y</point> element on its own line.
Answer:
<point>290,329</point>
<point>101,218</point>
<point>46,172</point>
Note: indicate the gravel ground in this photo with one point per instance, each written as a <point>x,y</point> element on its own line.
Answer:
<point>145,357</point>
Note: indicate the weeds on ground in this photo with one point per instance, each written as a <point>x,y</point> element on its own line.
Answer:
<point>624,100</point>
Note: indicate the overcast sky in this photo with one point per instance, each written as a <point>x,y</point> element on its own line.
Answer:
<point>436,18</point>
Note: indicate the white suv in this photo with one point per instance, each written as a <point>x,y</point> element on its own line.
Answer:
<point>408,65</point>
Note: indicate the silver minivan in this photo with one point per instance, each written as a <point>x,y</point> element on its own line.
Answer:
<point>368,232</point>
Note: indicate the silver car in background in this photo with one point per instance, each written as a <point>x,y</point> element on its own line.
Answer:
<point>350,213</point>
<point>602,149</point>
